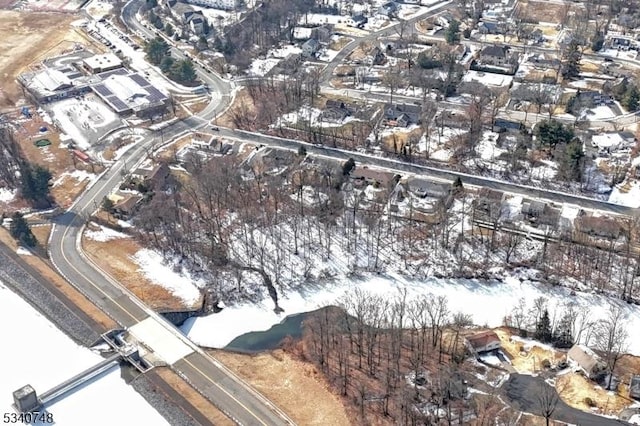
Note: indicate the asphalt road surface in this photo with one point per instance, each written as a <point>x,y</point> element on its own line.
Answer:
<point>522,392</point>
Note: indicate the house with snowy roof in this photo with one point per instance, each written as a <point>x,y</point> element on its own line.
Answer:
<point>587,361</point>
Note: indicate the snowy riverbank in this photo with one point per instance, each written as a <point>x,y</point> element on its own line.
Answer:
<point>488,303</point>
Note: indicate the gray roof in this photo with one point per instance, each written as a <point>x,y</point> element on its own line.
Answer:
<point>586,359</point>
<point>495,51</point>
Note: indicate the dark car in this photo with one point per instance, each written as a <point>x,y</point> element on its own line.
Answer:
<point>215,128</point>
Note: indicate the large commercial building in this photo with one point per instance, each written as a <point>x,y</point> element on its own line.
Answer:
<point>130,93</point>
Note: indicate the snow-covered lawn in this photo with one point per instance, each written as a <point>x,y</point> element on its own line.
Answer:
<point>629,197</point>
<point>488,78</point>
<point>320,18</point>
<point>155,268</point>
<point>7,195</point>
<point>79,175</point>
<point>104,234</point>
<point>39,354</point>
<point>488,303</point>
<point>260,67</point>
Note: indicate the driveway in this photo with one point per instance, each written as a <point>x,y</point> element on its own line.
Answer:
<point>521,392</point>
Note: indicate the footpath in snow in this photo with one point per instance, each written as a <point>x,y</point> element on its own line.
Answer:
<point>39,354</point>
<point>488,303</point>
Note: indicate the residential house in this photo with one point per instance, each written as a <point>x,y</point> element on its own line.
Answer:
<point>599,226</point>
<point>358,20</point>
<point>153,178</point>
<point>492,27</point>
<point>539,213</point>
<point>310,47</point>
<point>587,360</point>
<point>126,206</point>
<point>376,56</point>
<point>402,114</point>
<point>182,12</point>
<point>196,23</point>
<point>389,9</point>
<point>485,341</point>
<point>634,387</point>
<point>362,175</point>
<point>621,43</point>
<point>504,125</point>
<point>498,58</point>
<point>488,204</point>
<point>591,99</point>
<point>217,4</point>
<point>423,188</point>
<point>335,111</point>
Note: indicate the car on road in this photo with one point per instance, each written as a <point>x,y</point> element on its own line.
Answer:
<point>215,128</point>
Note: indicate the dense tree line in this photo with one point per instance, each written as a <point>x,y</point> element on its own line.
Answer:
<point>159,53</point>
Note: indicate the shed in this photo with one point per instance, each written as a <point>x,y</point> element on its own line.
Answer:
<point>590,363</point>
<point>483,342</point>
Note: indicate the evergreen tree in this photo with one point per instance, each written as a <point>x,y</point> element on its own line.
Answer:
<point>166,64</point>
<point>349,165</point>
<point>631,99</point>
<point>156,49</point>
<point>21,231</point>
<point>570,160</point>
<point>452,33</point>
<point>563,336</point>
<point>571,61</point>
<point>168,28</point>
<point>551,133</point>
<point>35,185</point>
<point>543,328</point>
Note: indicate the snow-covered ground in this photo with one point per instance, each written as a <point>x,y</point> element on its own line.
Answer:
<point>488,304</point>
<point>488,78</point>
<point>155,268</point>
<point>260,67</point>
<point>39,354</point>
<point>631,196</point>
<point>83,121</point>
<point>79,175</point>
<point>103,234</point>
<point>7,195</point>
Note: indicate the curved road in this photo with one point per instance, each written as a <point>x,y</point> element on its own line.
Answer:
<point>230,394</point>
<point>522,392</point>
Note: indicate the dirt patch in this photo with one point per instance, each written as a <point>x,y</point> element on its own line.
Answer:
<point>242,103</point>
<point>340,43</point>
<point>29,37</point>
<point>44,267</point>
<point>198,401</point>
<point>574,388</point>
<point>295,386</point>
<point>534,11</point>
<point>116,258</point>
<point>526,358</point>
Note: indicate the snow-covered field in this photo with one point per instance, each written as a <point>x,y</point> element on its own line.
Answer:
<point>631,196</point>
<point>39,354</point>
<point>7,195</point>
<point>488,304</point>
<point>155,268</point>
